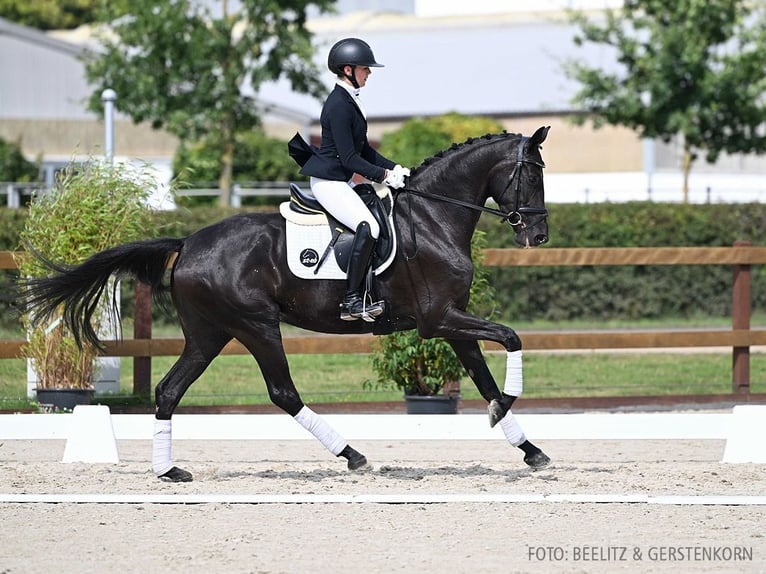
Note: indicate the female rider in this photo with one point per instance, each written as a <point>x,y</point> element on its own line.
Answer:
<point>344,150</point>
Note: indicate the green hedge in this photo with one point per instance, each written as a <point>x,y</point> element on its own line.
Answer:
<point>562,293</point>
<point>629,292</point>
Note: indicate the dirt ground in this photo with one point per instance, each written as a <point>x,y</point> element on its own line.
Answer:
<point>356,537</point>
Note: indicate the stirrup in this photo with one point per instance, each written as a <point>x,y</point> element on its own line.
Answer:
<point>357,307</point>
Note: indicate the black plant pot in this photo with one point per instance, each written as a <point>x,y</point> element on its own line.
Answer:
<point>65,399</point>
<point>431,405</point>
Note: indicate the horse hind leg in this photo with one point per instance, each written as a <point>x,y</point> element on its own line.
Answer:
<point>269,353</point>
<point>187,369</point>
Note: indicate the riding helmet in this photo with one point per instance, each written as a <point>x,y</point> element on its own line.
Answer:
<point>350,52</point>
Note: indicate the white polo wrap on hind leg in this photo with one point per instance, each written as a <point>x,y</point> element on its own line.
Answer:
<point>161,445</point>
<point>324,433</point>
<point>512,429</point>
<point>514,379</point>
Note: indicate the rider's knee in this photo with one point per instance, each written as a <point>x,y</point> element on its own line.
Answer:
<point>374,227</point>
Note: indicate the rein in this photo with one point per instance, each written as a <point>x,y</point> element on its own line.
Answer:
<point>515,216</point>
<point>454,201</point>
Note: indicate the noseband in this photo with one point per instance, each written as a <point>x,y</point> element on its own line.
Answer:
<point>515,217</point>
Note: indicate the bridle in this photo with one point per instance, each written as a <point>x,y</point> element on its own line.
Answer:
<point>515,217</point>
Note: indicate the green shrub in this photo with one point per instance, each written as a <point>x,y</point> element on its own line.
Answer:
<point>92,207</point>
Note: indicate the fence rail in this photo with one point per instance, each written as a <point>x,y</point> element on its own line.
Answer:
<point>740,337</point>
<point>15,191</point>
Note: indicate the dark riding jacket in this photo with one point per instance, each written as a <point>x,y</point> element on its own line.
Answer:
<point>344,149</point>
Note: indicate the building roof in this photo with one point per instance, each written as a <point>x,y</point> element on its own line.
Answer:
<point>498,64</point>
<point>501,64</point>
<point>33,36</point>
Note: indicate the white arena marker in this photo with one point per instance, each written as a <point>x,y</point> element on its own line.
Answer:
<point>404,498</point>
<point>91,436</point>
<point>747,430</point>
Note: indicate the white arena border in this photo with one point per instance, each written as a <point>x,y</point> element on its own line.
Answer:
<point>91,433</point>
<point>714,500</point>
<point>575,426</point>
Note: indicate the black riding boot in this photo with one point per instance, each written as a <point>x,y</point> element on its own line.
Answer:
<point>355,304</point>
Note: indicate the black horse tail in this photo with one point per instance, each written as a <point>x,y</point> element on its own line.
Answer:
<point>77,289</point>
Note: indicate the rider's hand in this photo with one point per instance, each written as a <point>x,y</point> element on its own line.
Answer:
<point>394,178</point>
<point>404,170</point>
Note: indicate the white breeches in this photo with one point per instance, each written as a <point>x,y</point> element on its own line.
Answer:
<point>340,199</point>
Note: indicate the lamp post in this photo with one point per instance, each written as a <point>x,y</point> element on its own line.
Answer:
<point>108,369</point>
<point>108,96</point>
<point>649,149</point>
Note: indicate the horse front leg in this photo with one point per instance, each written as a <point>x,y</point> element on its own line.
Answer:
<point>463,331</point>
<point>499,408</point>
<point>499,403</point>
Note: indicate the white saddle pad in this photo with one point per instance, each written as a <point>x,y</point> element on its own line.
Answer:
<point>307,238</point>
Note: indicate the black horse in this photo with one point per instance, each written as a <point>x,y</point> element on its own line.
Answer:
<point>230,281</point>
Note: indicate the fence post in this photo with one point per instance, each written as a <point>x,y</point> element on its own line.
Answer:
<point>142,329</point>
<point>236,197</point>
<point>740,317</point>
<point>14,197</point>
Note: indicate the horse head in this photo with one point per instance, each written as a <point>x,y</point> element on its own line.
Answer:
<point>521,195</point>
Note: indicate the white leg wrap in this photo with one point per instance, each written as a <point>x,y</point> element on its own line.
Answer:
<point>324,433</point>
<point>512,429</point>
<point>161,444</point>
<point>514,379</point>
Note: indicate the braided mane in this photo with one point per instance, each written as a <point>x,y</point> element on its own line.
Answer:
<point>486,138</point>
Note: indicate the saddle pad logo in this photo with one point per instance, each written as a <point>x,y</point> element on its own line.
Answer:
<point>309,258</point>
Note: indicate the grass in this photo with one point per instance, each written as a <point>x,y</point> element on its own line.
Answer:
<point>236,380</point>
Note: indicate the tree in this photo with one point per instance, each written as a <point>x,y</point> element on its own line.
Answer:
<point>690,68</point>
<point>179,66</point>
<point>55,14</point>
<point>13,165</point>
<point>419,138</point>
<point>257,157</point>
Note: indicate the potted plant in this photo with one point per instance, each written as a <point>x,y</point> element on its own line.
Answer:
<point>427,371</point>
<point>93,206</point>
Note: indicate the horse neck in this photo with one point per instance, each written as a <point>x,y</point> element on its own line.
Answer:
<point>464,175</point>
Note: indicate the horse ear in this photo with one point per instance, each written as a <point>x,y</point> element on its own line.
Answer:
<point>538,137</point>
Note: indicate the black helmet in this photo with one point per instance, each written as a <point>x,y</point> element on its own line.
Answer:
<point>350,52</point>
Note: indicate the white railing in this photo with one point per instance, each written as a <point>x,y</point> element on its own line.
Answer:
<point>15,191</point>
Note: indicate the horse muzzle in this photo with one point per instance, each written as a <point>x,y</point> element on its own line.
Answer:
<point>528,238</point>
<point>531,234</point>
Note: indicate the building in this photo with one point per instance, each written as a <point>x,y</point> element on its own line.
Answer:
<point>497,60</point>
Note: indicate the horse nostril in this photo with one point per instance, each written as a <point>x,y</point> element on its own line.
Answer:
<point>540,239</point>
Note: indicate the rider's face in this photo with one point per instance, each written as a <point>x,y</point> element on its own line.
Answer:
<point>361,73</point>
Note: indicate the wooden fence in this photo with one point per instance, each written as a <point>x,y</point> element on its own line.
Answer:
<point>740,337</point>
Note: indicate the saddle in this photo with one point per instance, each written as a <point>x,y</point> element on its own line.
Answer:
<point>313,234</point>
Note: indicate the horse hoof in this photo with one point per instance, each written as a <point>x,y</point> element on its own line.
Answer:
<point>496,412</point>
<point>356,460</point>
<point>176,474</point>
<point>537,461</point>
<point>359,463</point>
